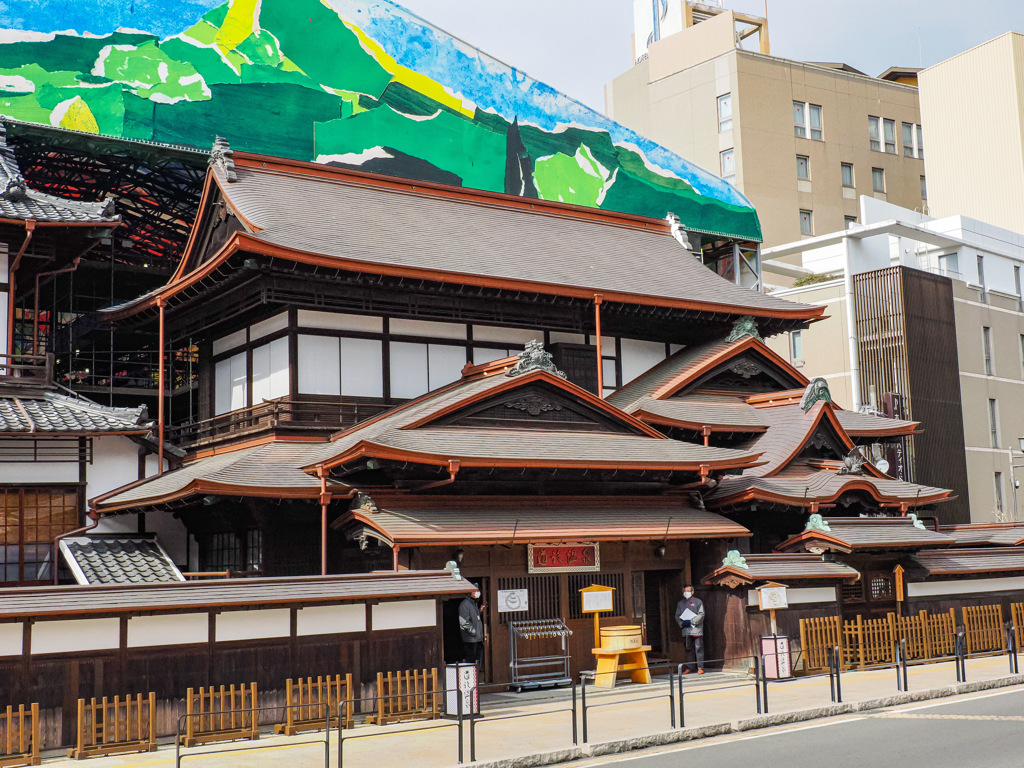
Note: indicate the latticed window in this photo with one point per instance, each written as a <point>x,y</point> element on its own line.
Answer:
<point>852,593</point>
<point>881,588</point>
<point>30,519</point>
<point>544,601</point>
<point>578,581</point>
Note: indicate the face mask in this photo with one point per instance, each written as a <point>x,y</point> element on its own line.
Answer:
<point>687,595</point>
<point>476,595</point>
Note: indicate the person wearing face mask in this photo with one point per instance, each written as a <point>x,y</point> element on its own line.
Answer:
<point>471,627</point>
<point>690,618</point>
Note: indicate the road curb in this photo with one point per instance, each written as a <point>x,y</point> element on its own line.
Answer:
<point>664,738</point>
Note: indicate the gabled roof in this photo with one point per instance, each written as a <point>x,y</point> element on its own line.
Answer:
<point>20,203</point>
<point>41,411</point>
<point>790,429</point>
<point>118,559</point>
<point>858,424</point>
<point>849,534</point>
<point>688,366</point>
<point>436,521</point>
<point>971,562</point>
<point>986,534</point>
<point>348,220</point>
<point>785,567</point>
<point>409,433</point>
<point>720,413</point>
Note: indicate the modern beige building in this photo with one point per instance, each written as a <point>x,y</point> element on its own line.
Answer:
<point>935,308</point>
<point>802,141</point>
<point>973,104</point>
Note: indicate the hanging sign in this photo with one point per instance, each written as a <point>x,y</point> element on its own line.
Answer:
<point>510,600</point>
<point>564,558</point>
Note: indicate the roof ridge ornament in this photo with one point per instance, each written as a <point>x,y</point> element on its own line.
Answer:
<point>534,358</point>
<point>743,327</point>
<point>734,559</point>
<point>15,189</point>
<point>363,502</point>
<point>853,463</point>
<point>816,390</point>
<point>222,158</point>
<point>917,523</point>
<point>817,523</point>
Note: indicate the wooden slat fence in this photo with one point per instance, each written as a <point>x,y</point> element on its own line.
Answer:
<point>1017,616</point>
<point>983,625</point>
<point>114,726</point>
<point>306,699</point>
<point>864,642</point>
<point>223,714</point>
<point>409,695</point>
<point>19,736</point>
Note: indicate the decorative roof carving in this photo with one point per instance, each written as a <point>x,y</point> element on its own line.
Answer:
<point>363,502</point>
<point>816,390</point>
<point>746,368</point>
<point>222,158</point>
<point>744,326</point>
<point>679,232</point>
<point>534,358</point>
<point>853,463</point>
<point>817,523</point>
<point>734,559</point>
<point>533,404</point>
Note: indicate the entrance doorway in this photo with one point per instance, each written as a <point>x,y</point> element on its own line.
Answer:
<point>659,588</point>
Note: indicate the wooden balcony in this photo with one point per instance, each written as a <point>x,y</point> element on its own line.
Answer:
<point>307,415</point>
<point>36,370</point>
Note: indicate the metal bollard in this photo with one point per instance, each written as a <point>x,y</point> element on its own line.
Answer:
<point>831,673</point>
<point>896,664</point>
<point>903,662</point>
<point>679,678</point>
<point>671,699</point>
<point>583,703</point>
<point>839,675</point>
<point>458,711</point>
<point>764,682</point>
<point>757,683</point>
<point>575,736</point>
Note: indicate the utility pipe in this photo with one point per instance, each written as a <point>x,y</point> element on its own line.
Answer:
<point>161,303</point>
<point>35,307</point>
<point>598,298</point>
<point>851,323</point>
<point>30,228</point>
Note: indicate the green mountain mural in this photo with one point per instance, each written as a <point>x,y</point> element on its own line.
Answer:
<point>361,85</point>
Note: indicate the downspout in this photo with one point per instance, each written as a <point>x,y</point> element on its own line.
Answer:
<point>851,327</point>
<point>160,393</point>
<point>453,469</point>
<point>35,307</point>
<point>95,517</point>
<point>598,298</point>
<point>30,228</point>
<point>325,501</point>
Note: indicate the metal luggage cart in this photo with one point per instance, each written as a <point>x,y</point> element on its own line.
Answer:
<point>538,671</point>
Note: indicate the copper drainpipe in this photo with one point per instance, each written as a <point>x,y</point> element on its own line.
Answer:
<point>30,228</point>
<point>35,307</point>
<point>598,298</point>
<point>706,431</point>
<point>453,469</point>
<point>95,517</point>
<point>160,393</point>
<point>325,500</point>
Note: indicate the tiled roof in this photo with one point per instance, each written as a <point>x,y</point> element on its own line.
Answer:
<point>19,202</point>
<point>777,566</point>
<point>228,593</point>
<point>41,411</point>
<point>994,535</point>
<point>118,559</point>
<point>677,365</point>
<point>720,412</point>
<point>337,215</point>
<point>973,561</point>
<point>871,425</point>
<point>802,485</point>
<point>867,533</point>
<point>418,521</point>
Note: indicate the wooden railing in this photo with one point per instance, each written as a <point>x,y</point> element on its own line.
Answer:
<point>409,695</point>
<point>863,642</point>
<point>309,700</point>
<point>27,369</point>
<point>111,727</point>
<point>19,736</point>
<point>221,714</point>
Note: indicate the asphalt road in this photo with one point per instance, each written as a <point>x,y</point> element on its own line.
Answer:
<point>984,729</point>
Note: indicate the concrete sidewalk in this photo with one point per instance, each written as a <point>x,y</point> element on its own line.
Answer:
<point>535,728</point>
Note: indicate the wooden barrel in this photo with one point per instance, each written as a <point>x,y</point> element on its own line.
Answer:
<point>627,636</point>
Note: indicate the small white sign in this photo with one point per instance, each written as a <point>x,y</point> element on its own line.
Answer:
<point>773,598</point>
<point>595,602</point>
<point>510,600</point>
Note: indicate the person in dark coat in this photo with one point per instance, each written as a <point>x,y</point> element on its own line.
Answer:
<point>690,618</point>
<point>471,628</point>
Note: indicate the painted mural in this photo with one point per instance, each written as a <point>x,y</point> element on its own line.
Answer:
<point>352,83</point>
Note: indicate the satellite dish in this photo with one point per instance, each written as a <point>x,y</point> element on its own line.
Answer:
<point>882,465</point>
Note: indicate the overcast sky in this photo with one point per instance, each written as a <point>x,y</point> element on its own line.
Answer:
<point>579,45</point>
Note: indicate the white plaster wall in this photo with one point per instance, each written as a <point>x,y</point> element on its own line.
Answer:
<point>331,619</point>
<point>48,472</point>
<point>76,635</point>
<point>115,462</point>
<point>403,615</point>
<point>800,595</point>
<point>179,629</point>
<point>967,587</point>
<point>253,625</point>
<point>11,636</point>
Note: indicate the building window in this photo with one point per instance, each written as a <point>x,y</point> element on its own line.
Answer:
<point>986,350</point>
<point>913,141</point>
<point>851,221</point>
<point>875,133</point>
<point>728,162</point>
<point>803,167</point>
<point>30,518</point>
<point>878,179</point>
<point>806,223</point>
<point>924,189</point>
<point>796,345</point>
<point>1022,355</point>
<point>807,121</point>
<point>998,478</point>
<point>981,275</point>
<point>993,422</point>
<point>889,131</point>
<point>725,112</point>
<point>846,169</point>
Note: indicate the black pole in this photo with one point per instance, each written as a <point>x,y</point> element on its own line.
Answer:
<point>458,711</point>
<point>327,732</point>
<point>757,683</point>
<point>583,703</point>
<point>896,664</point>
<point>671,699</point>
<point>575,737</point>
<point>764,682</point>
<point>831,673</point>
<point>903,661</point>
<point>679,682</point>
<point>472,736</point>
<point>839,675</point>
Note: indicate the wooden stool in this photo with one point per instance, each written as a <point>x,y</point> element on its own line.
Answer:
<point>611,661</point>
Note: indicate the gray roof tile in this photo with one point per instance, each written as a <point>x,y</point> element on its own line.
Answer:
<point>119,559</point>
<point>37,410</point>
